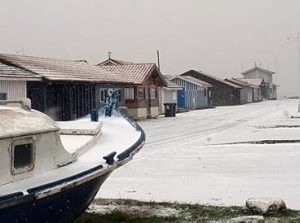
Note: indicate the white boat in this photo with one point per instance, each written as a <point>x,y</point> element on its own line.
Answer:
<point>51,171</point>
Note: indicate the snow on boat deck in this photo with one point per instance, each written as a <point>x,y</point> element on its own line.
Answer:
<point>117,135</point>
<point>190,158</point>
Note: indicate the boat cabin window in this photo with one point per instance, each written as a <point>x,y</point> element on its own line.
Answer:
<point>22,156</point>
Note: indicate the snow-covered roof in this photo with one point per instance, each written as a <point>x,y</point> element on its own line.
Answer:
<point>62,70</point>
<point>259,69</point>
<point>171,84</point>
<point>15,121</point>
<point>214,78</point>
<point>239,82</point>
<point>8,72</point>
<point>136,73</point>
<point>194,81</point>
<point>253,81</point>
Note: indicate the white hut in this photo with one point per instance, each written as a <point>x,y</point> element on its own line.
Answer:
<point>13,82</point>
<point>168,94</point>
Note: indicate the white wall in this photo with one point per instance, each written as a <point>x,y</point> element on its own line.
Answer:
<point>14,89</point>
<point>259,74</point>
<point>166,96</point>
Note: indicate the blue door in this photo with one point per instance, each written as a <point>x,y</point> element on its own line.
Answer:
<point>181,98</point>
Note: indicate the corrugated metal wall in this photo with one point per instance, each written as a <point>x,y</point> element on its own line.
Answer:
<point>15,89</point>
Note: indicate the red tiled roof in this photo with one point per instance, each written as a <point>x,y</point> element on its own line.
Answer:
<point>111,61</point>
<point>62,70</point>
<point>136,73</point>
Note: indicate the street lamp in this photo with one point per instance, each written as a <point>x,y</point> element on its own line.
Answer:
<point>296,39</point>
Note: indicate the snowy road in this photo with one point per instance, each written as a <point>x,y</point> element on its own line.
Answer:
<point>210,157</point>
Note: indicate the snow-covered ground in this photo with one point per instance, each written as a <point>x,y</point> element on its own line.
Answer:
<point>207,157</point>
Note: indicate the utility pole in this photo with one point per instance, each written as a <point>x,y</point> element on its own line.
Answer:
<point>297,39</point>
<point>158,61</point>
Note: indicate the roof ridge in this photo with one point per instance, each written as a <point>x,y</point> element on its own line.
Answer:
<point>116,65</point>
<point>39,57</point>
<point>259,68</point>
<point>216,78</point>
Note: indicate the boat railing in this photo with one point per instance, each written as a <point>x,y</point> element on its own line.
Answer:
<point>25,103</point>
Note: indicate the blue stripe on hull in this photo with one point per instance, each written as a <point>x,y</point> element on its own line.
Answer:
<point>62,207</point>
<point>66,205</point>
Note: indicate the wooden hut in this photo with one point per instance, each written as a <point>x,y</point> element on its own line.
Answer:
<point>257,85</point>
<point>269,90</point>
<point>223,92</point>
<point>196,94</point>
<point>13,82</point>
<point>142,97</point>
<point>168,94</point>
<point>246,92</point>
<point>67,89</point>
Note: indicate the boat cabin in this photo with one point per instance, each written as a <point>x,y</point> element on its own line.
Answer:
<point>27,139</point>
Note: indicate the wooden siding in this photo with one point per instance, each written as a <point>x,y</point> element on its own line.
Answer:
<point>195,97</point>
<point>14,89</point>
<point>62,101</point>
<point>267,77</point>
<point>257,94</point>
<point>246,95</point>
<point>222,93</point>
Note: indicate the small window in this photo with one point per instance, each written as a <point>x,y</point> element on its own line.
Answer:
<point>174,97</point>
<point>103,95</point>
<point>129,93</point>
<point>141,93</point>
<point>153,93</point>
<point>147,91</point>
<point>22,156</point>
<point>118,95</point>
<point>3,96</point>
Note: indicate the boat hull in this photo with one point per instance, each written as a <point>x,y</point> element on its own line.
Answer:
<point>62,207</point>
<point>64,200</point>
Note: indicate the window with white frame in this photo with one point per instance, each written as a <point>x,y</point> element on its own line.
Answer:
<point>129,93</point>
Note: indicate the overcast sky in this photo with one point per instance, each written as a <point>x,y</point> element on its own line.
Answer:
<point>221,37</point>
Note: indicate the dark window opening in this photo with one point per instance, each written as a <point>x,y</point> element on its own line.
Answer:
<point>22,155</point>
<point>141,93</point>
<point>3,96</point>
<point>103,95</point>
<point>119,96</point>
